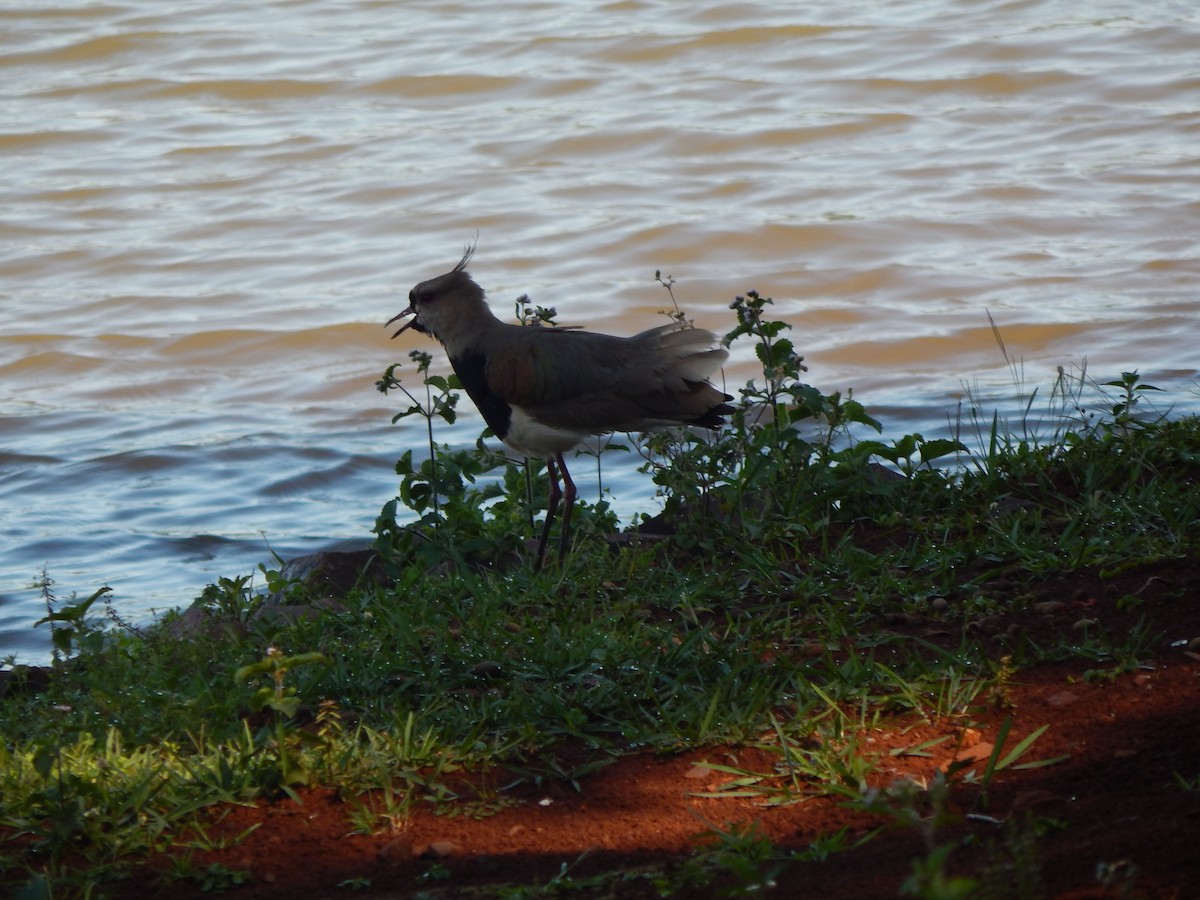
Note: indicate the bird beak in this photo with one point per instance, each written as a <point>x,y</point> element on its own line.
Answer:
<point>408,311</point>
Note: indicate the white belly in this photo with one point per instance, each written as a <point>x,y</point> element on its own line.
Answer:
<point>531,438</point>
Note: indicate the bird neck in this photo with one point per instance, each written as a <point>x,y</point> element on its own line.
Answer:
<point>468,328</point>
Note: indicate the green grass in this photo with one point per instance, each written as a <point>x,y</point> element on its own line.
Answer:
<point>766,614</point>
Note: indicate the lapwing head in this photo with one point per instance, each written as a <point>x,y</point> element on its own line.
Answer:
<point>444,304</point>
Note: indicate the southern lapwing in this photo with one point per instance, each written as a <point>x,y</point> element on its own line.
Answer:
<point>542,391</point>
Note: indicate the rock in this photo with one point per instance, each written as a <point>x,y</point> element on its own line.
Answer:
<point>25,680</point>
<point>976,754</point>
<point>198,622</point>
<point>328,576</point>
<point>439,850</point>
<point>316,584</point>
<point>881,474</point>
<point>396,851</point>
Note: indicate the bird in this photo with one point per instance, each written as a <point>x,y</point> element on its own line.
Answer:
<point>543,390</point>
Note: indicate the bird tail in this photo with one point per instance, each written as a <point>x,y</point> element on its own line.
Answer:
<point>691,355</point>
<point>690,352</point>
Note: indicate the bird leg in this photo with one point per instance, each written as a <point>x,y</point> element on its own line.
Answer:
<point>568,505</point>
<point>565,493</point>
<point>551,505</point>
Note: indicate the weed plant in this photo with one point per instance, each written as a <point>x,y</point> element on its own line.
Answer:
<point>800,536</point>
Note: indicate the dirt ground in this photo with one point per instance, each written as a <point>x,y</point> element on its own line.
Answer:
<point>1117,821</point>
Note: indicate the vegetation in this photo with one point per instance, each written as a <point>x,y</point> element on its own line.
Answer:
<point>766,620</point>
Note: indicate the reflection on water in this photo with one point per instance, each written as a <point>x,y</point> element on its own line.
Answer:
<point>210,209</point>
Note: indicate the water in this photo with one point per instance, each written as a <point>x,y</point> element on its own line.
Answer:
<point>209,210</point>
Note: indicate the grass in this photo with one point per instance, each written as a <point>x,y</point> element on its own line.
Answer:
<point>759,624</point>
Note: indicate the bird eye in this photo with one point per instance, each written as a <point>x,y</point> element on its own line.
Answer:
<point>412,295</point>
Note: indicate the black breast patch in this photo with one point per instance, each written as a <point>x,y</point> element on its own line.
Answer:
<point>470,369</point>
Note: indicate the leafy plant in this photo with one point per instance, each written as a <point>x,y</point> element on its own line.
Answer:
<point>231,598</point>
<point>283,701</point>
<point>441,401</point>
<point>69,624</point>
<point>213,878</point>
<point>745,853</point>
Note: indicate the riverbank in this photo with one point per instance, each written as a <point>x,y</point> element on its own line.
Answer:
<point>846,670</point>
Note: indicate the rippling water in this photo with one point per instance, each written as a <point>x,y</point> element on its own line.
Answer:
<point>208,210</point>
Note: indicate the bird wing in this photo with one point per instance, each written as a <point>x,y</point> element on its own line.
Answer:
<point>600,382</point>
